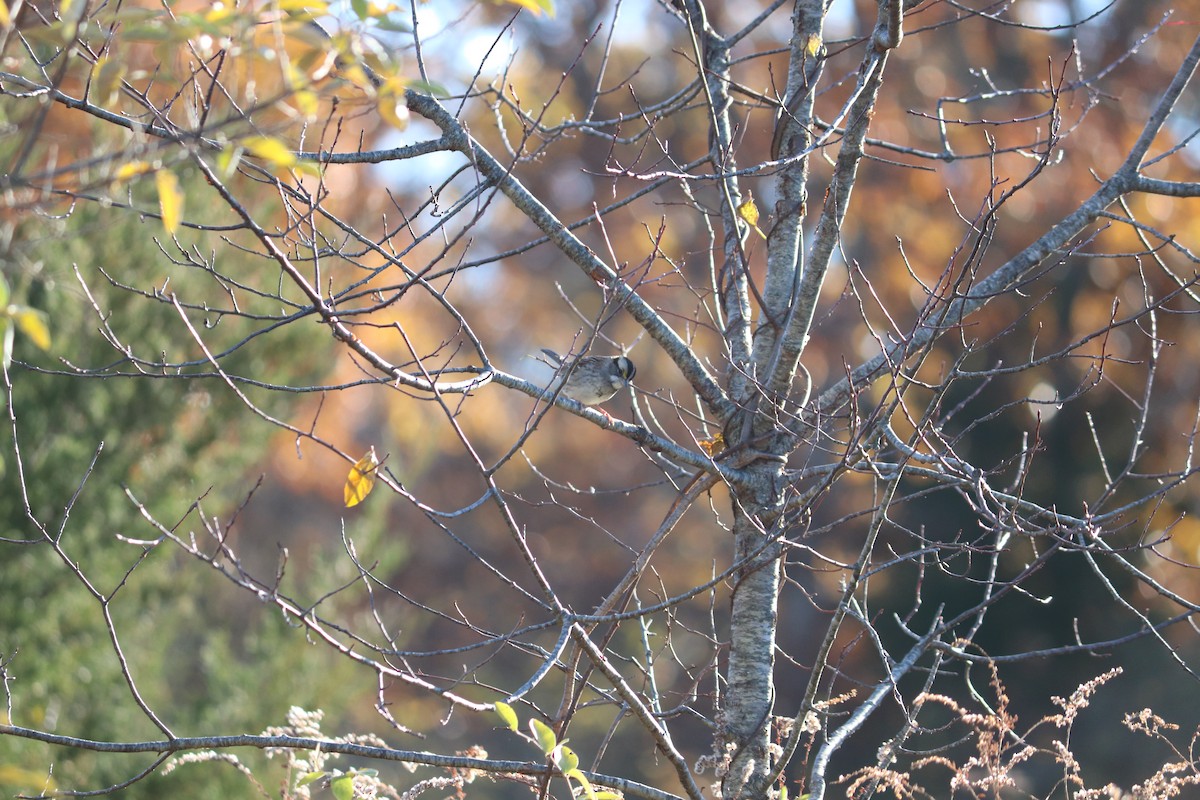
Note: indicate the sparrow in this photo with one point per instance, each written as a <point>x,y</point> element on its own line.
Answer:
<point>592,379</point>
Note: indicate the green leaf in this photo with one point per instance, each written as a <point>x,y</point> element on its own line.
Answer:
<point>33,323</point>
<point>360,9</point>
<point>107,75</point>
<point>393,26</point>
<point>149,32</point>
<point>582,780</point>
<point>3,292</point>
<point>506,713</point>
<point>311,777</point>
<point>566,760</point>
<point>428,87</point>
<point>544,735</point>
<point>56,34</point>
<point>343,787</point>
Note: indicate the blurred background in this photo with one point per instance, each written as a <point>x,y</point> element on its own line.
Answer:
<point>214,659</point>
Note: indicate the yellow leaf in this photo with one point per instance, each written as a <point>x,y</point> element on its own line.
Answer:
<point>33,323</point>
<point>219,12</point>
<point>270,149</point>
<point>306,102</point>
<point>375,11</point>
<point>536,6</point>
<point>228,159</point>
<point>310,168</point>
<point>356,75</point>
<point>13,776</point>
<point>749,212</point>
<point>713,446</point>
<point>361,479</point>
<point>394,110</point>
<point>170,200</point>
<point>132,170</point>
<point>311,65</point>
<point>317,9</point>
<point>5,18</point>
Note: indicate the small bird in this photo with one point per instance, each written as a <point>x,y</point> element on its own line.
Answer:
<point>594,379</point>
